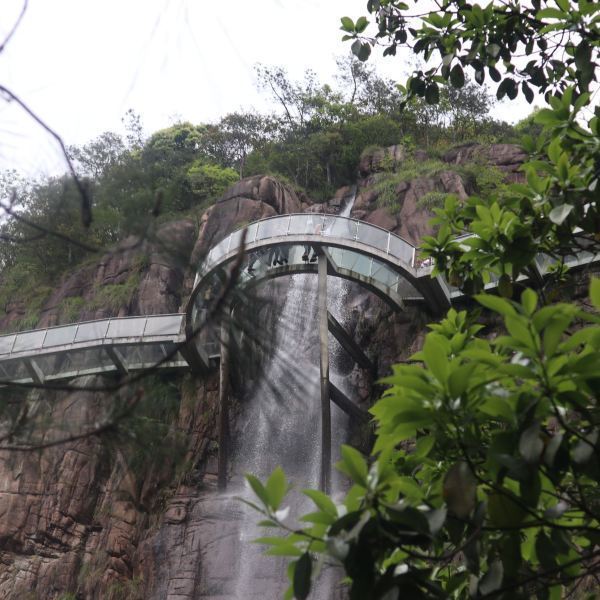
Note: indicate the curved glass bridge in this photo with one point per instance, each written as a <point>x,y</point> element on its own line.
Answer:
<point>377,259</point>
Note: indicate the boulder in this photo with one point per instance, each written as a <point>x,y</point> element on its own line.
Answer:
<point>378,158</point>
<point>248,200</point>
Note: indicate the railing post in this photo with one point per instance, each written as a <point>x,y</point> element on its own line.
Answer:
<point>324,368</point>
<point>223,459</point>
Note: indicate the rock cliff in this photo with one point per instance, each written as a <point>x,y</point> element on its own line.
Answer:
<point>80,520</point>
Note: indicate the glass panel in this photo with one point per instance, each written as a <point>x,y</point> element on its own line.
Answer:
<point>373,237</point>
<point>251,233</point>
<point>92,359</point>
<point>581,258</point>
<point>163,325</point>
<point>348,259</point>
<point>543,262</point>
<point>126,327</point>
<point>60,335</point>
<point>95,330</point>
<point>217,252</point>
<point>344,228</point>
<point>236,240</point>
<point>386,276</point>
<point>31,340</point>
<point>327,224</point>
<point>362,265</point>
<point>14,369</point>
<point>139,356</point>
<point>6,343</point>
<point>401,249</point>
<point>300,224</point>
<point>272,228</point>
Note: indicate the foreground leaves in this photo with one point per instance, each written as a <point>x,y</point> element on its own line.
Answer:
<point>483,479</point>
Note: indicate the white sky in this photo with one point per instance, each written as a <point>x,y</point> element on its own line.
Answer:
<point>80,64</point>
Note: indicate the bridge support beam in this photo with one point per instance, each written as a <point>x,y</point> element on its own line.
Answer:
<point>223,459</point>
<point>324,368</point>
<point>348,344</point>
<point>117,359</point>
<point>34,371</point>
<point>353,411</point>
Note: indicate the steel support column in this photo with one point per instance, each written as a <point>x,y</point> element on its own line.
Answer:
<point>324,364</point>
<point>223,461</point>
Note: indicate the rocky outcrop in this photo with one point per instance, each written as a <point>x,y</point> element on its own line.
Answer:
<point>250,199</point>
<point>411,213</point>
<point>377,159</point>
<point>506,157</point>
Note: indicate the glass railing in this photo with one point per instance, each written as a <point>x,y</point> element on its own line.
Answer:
<point>103,330</point>
<point>317,226</point>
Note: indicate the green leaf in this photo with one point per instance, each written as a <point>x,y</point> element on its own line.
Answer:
<point>432,93</point>
<point>408,487</point>
<point>551,13</point>
<point>276,487</point>
<point>258,489</point>
<point>354,465</point>
<point>347,24</point>
<point>492,580</point>
<point>583,55</point>
<point>531,445</point>
<point>323,501</point>
<point>495,74</point>
<point>457,76</point>
<point>424,446</point>
<point>529,300</point>
<point>361,24</point>
<point>284,550</point>
<point>527,92</point>
<point>436,358</point>
<point>498,407</point>
<point>583,450</point>
<point>362,50</point>
<point>499,305</point>
<point>559,213</point>
<point>321,518</point>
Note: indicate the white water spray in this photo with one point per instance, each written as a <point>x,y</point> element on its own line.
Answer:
<point>281,427</point>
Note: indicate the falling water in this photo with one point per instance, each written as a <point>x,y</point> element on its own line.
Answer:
<point>281,427</point>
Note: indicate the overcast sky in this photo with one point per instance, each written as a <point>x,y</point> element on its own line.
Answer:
<point>80,64</point>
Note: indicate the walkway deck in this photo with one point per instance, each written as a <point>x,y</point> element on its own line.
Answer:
<point>375,258</point>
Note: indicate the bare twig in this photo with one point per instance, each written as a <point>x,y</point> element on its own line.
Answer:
<point>85,199</point>
<point>15,25</point>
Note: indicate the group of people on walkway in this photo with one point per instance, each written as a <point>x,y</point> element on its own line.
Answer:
<point>277,256</point>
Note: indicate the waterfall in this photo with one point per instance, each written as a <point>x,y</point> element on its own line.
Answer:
<point>281,427</point>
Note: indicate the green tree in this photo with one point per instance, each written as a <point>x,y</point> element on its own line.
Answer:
<point>482,482</point>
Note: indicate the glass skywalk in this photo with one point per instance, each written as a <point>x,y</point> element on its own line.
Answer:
<point>117,345</point>
<point>284,245</point>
